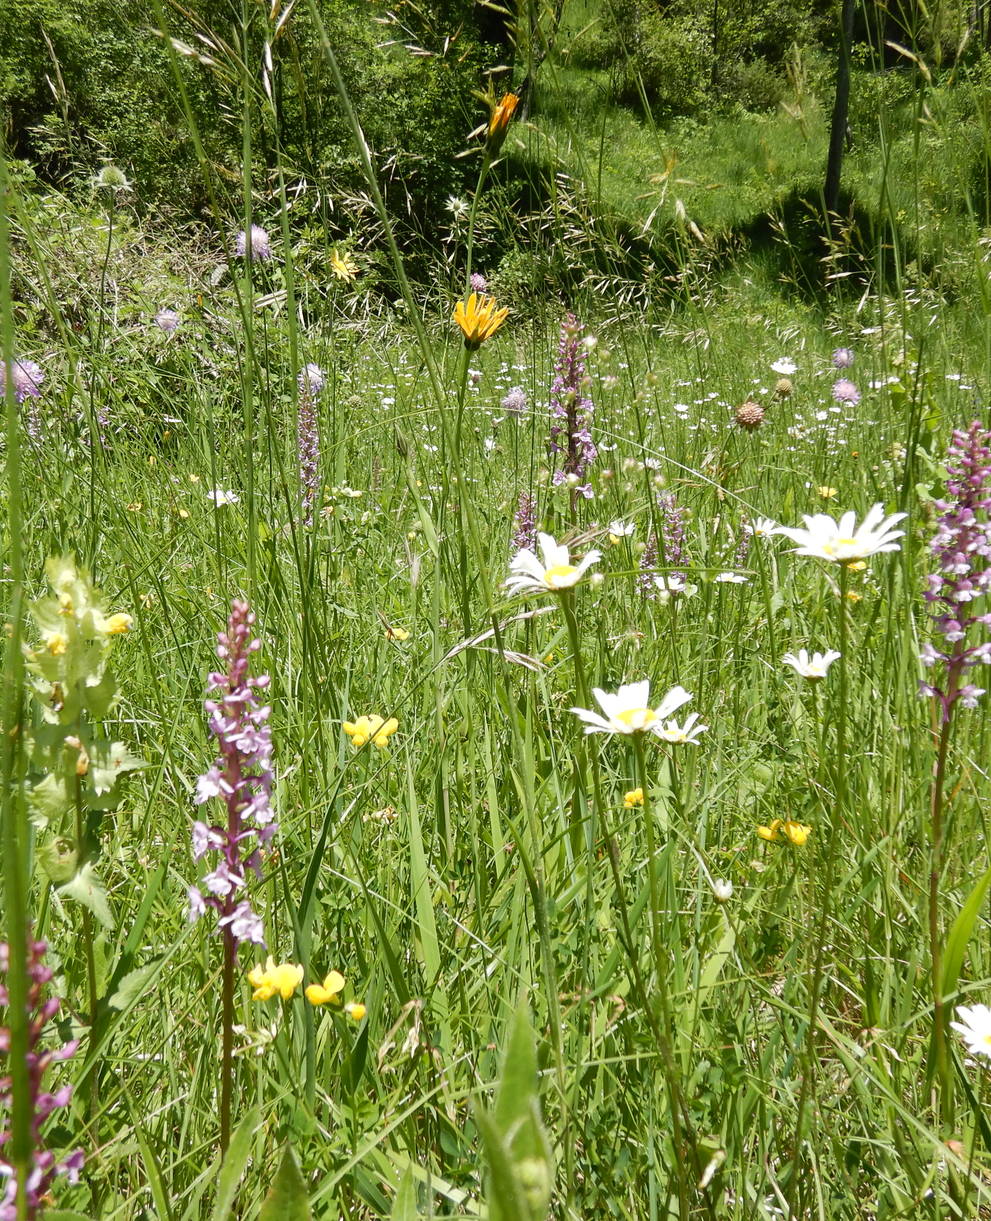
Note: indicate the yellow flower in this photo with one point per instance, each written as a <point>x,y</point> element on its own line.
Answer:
<point>633,798</point>
<point>853,596</point>
<point>795,832</point>
<point>502,112</point>
<point>343,266</point>
<point>355,1011</point>
<point>371,728</point>
<point>857,566</point>
<point>328,991</point>
<point>56,643</point>
<point>479,319</point>
<point>396,633</point>
<point>113,625</point>
<point>282,977</point>
<point>826,493</point>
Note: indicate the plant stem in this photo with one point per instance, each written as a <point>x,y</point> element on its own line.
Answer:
<point>227,1051</point>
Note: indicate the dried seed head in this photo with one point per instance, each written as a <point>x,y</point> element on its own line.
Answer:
<point>750,415</point>
<point>782,387</point>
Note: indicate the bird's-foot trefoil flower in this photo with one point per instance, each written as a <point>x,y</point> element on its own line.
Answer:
<point>327,993</point>
<point>371,728</point>
<point>794,832</point>
<point>281,977</point>
<point>554,574</point>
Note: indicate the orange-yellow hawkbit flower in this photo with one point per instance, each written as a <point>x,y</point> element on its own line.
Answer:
<point>282,977</point>
<point>329,992</point>
<point>372,728</point>
<point>502,112</point>
<point>479,319</point>
<point>795,832</point>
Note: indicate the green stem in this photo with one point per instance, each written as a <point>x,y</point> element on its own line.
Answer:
<point>227,1049</point>
<point>482,175</point>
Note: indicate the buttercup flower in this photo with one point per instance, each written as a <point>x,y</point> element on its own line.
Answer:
<point>396,633</point>
<point>795,832</point>
<point>479,319</point>
<point>627,712</point>
<point>975,1026</point>
<point>328,992</point>
<point>814,667</point>
<point>371,728</point>
<point>840,542</point>
<point>632,799</point>
<point>282,977</point>
<point>529,575</point>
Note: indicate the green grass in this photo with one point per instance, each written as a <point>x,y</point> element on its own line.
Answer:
<point>511,873</point>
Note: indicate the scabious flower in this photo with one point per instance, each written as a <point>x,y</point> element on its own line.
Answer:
<point>844,391</point>
<point>257,247</point>
<point>627,712</point>
<point>167,320</point>
<point>556,573</point>
<point>812,668</point>
<point>975,1026</point>
<point>750,415</point>
<point>241,777</point>
<point>843,358</point>
<point>281,977</point>
<point>26,377</point>
<point>571,411</point>
<point>311,381</point>
<point>371,728</point>
<point>839,541</point>
<point>479,318</point>
<point>515,401</point>
<point>525,523</point>
<point>962,551</point>
<point>477,282</point>
<point>44,1168</point>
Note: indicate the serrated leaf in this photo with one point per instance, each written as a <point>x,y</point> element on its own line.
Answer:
<point>108,761</point>
<point>87,889</point>
<point>132,986</point>
<point>57,859</point>
<point>48,801</point>
<point>288,1199</point>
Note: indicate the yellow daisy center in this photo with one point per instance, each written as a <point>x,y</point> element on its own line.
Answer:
<point>557,575</point>
<point>637,718</point>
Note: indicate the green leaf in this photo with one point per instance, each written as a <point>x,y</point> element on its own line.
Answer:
<point>87,889</point>
<point>57,858</point>
<point>107,762</point>
<point>132,986</point>
<point>48,801</point>
<point>288,1199</point>
<point>960,934</point>
<point>518,1083</point>
<point>404,1205</point>
<point>232,1165</point>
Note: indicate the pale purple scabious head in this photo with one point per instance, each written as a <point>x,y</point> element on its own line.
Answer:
<point>167,320</point>
<point>843,358</point>
<point>844,391</point>
<point>477,282</point>
<point>962,550</point>
<point>241,778</point>
<point>260,246</point>
<point>515,401</point>
<point>44,1167</point>
<point>311,379</point>
<point>26,377</point>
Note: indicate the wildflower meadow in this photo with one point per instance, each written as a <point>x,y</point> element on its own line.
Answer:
<point>496,623</point>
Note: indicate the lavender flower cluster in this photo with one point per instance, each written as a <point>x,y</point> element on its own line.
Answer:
<point>571,411</point>
<point>242,778</point>
<point>525,524</point>
<point>44,1168</point>
<point>962,549</point>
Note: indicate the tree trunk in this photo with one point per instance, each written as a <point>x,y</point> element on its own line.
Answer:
<point>841,109</point>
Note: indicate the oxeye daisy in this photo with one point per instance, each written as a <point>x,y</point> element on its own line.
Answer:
<point>843,541</point>
<point>811,667</point>
<point>554,574</point>
<point>628,712</point>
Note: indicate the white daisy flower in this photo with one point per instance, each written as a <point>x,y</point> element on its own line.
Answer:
<point>761,527</point>
<point>620,529</point>
<point>220,497</point>
<point>731,578</point>
<point>975,1026</point>
<point>785,366</point>
<point>529,575</point>
<point>839,541</point>
<point>814,667</point>
<point>628,712</point>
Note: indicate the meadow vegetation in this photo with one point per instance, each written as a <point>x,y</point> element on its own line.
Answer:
<point>456,421</point>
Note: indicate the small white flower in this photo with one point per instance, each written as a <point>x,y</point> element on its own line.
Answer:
<point>975,1026</point>
<point>731,578</point>
<point>761,527</point>
<point>620,529</point>
<point>839,541</point>
<point>627,712</point>
<point>722,891</point>
<point>529,575</point>
<point>785,366</point>
<point>814,667</point>
<point>668,583</point>
<point>221,498</point>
